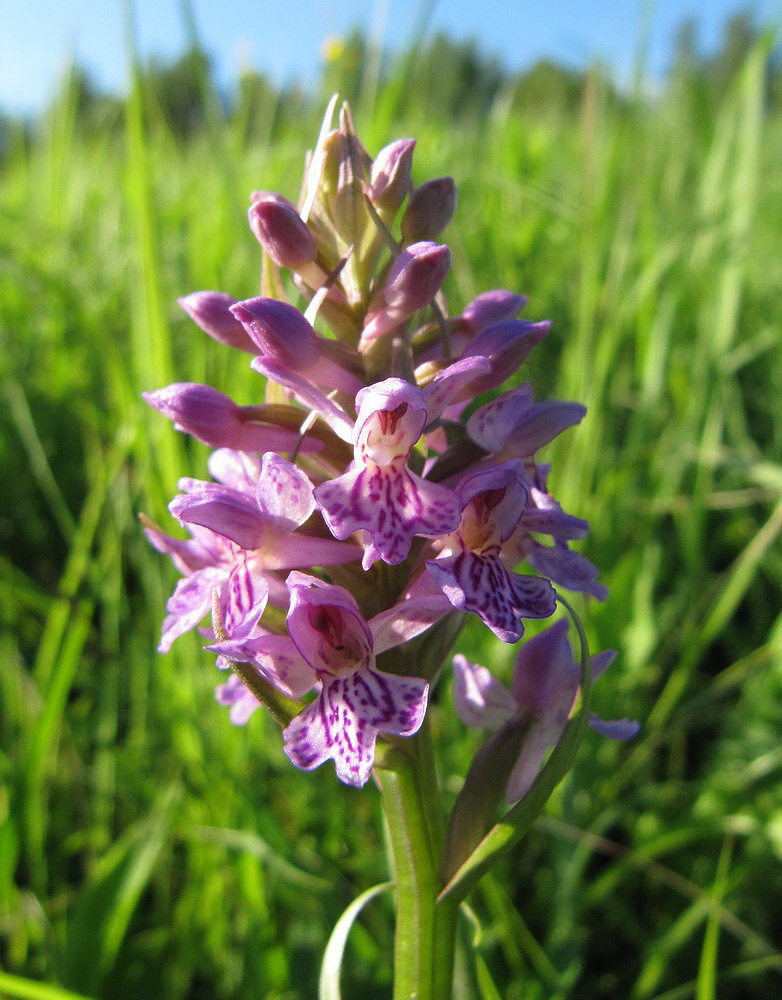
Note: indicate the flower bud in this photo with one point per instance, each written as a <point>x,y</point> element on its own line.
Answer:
<point>350,213</point>
<point>490,307</point>
<point>390,177</point>
<point>506,345</point>
<point>430,210</point>
<point>212,312</point>
<point>279,229</point>
<point>216,420</point>
<point>207,414</point>
<point>413,281</point>
<point>285,336</point>
<point>279,330</point>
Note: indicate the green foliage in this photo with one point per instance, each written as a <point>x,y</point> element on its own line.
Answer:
<point>149,848</point>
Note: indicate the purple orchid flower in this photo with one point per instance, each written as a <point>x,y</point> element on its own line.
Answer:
<point>470,571</point>
<point>265,522</point>
<point>380,495</point>
<point>243,527</point>
<point>543,691</point>
<point>329,642</point>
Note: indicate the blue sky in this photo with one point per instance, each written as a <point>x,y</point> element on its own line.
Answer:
<point>284,38</point>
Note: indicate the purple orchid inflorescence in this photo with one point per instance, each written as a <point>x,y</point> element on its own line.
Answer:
<point>365,499</point>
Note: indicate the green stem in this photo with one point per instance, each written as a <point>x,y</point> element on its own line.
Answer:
<point>423,948</point>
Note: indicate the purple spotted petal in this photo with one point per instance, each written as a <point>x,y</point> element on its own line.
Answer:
<point>481,584</point>
<point>284,493</point>
<point>391,504</point>
<point>344,721</point>
<point>491,424</point>
<point>247,594</point>
<point>519,427</point>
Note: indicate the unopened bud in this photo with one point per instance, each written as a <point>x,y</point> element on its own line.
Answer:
<point>413,281</point>
<point>279,229</point>
<point>490,307</point>
<point>430,210</point>
<point>279,330</point>
<point>212,312</point>
<point>284,336</point>
<point>506,346</point>
<point>390,177</point>
<point>207,414</point>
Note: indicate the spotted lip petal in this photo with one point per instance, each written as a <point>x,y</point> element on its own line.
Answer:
<point>357,701</point>
<point>344,721</point>
<point>391,504</point>
<point>190,603</point>
<point>472,575</point>
<point>480,583</point>
<point>380,495</point>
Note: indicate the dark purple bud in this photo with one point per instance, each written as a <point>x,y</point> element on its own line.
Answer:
<point>209,415</point>
<point>390,178</point>
<point>430,210</point>
<point>491,307</point>
<point>279,229</point>
<point>212,312</point>
<point>279,330</point>
<point>506,345</point>
<point>414,279</point>
<point>215,419</point>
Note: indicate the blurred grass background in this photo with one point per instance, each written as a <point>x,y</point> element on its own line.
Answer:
<point>147,847</point>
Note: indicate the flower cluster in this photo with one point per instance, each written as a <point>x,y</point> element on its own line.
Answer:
<point>364,498</point>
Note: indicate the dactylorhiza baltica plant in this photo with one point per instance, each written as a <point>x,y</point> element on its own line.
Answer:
<point>380,489</point>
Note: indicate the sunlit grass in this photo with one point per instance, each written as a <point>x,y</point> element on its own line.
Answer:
<point>149,848</point>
